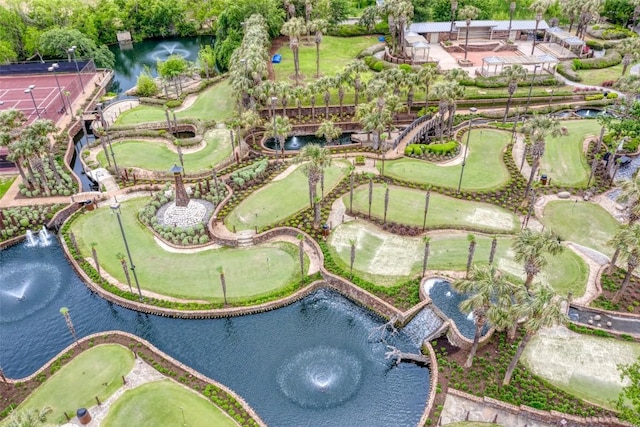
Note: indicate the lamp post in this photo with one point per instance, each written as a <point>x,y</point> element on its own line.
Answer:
<point>533,78</point>
<point>106,135</point>
<point>454,7</point>
<point>466,147</point>
<point>53,69</point>
<point>116,209</point>
<point>29,90</point>
<point>72,51</point>
<point>275,128</point>
<point>466,39</point>
<point>535,32</point>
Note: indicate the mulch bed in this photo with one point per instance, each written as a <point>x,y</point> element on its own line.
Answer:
<point>630,300</point>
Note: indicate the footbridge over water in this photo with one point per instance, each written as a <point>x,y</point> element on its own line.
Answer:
<point>418,129</point>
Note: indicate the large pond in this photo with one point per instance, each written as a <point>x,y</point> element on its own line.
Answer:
<point>310,363</point>
<point>131,61</point>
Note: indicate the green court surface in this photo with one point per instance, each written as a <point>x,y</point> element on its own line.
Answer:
<point>564,161</point>
<point>582,365</point>
<point>569,219</point>
<point>184,275</point>
<point>385,258</point>
<point>94,372</point>
<point>281,198</point>
<point>164,403</point>
<point>484,169</point>
<point>406,206</point>
<point>156,155</point>
<point>215,103</point>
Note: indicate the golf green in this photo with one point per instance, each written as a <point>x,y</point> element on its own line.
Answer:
<point>484,168</point>
<point>183,274</point>
<point>165,403</point>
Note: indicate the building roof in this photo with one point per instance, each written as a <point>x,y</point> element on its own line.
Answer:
<point>443,27</point>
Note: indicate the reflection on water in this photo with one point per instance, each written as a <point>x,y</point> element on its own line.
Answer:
<point>296,142</point>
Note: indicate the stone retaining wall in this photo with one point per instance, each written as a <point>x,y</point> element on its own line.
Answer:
<point>433,369</point>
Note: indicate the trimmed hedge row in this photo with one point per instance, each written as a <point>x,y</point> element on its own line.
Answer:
<point>611,58</point>
<point>440,149</point>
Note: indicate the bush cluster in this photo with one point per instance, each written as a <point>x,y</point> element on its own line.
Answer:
<point>611,58</point>
<point>66,186</point>
<point>16,221</point>
<point>354,30</point>
<point>376,64</point>
<point>438,149</point>
<point>248,174</point>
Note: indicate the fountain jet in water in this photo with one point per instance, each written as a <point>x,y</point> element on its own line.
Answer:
<point>42,240</point>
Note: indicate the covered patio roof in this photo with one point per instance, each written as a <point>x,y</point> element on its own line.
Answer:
<point>547,62</point>
<point>564,36</point>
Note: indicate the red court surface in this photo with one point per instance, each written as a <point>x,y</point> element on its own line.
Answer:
<point>47,97</point>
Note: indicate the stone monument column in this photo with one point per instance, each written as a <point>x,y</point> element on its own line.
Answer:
<point>182,198</point>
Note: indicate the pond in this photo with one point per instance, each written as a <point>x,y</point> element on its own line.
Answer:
<point>131,61</point>
<point>296,142</point>
<point>310,363</point>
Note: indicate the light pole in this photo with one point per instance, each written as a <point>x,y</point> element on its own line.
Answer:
<point>466,147</point>
<point>29,90</point>
<point>106,135</point>
<point>275,128</point>
<point>533,78</point>
<point>72,51</point>
<point>53,69</point>
<point>116,209</point>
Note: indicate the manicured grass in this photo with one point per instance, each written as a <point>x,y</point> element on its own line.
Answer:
<point>184,275</point>
<point>596,77</point>
<point>5,183</point>
<point>406,206</point>
<point>564,160</point>
<point>484,169</point>
<point>163,403</point>
<point>582,365</point>
<point>156,156</point>
<point>280,199</point>
<point>95,372</point>
<point>571,220</point>
<point>385,259</point>
<point>522,92</point>
<point>216,103</point>
<point>335,54</point>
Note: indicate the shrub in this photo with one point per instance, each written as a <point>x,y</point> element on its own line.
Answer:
<point>405,67</point>
<point>146,85</point>
<point>612,95</point>
<point>173,103</point>
<point>594,97</point>
<point>611,58</point>
<point>568,72</point>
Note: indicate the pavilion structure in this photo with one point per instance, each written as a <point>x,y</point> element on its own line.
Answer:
<point>562,44</point>
<point>493,65</point>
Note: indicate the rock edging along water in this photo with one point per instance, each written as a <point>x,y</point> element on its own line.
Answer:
<point>154,350</point>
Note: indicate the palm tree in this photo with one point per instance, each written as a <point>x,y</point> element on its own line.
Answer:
<point>284,94</point>
<point>279,129</point>
<point>492,252</point>
<point>223,283</point>
<point>629,247</point>
<point>399,14</point>
<point>427,196</point>
<point>542,309</point>
<point>28,417</point>
<point>425,258</point>
<point>540,7</point>
<point>318,26</point>
<point>294,28</point>
<point>488,295</point>
<point>11,122</point>
<point>472,249</point>
<point>329,131</point>
<point>299,94</point>
<point>352,256</point>
<point>530,248</point>
<point>370,193</point>
<point>67,318</point>
<point>427,76</point>
<point>630,194</point>
<point>448,91</point>
<point>374,118</point>
<point>353,70</point>
<point>629,48</point>
<point>411,81</point>
<point>301,256</point>
<point>468,13</point>
<point>538,128</point>
<point>94,254</point>
<point>315,159</point>
<point>514,75</point>
<point>325,84</point>
<point>386,202</point>
<point>123,263</point>
<point>251,119</point>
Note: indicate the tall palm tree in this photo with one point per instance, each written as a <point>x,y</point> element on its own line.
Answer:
<point>630,194</point>
<point>468,13</point>
<point>489,294</point>
<point>353,71</point>
<point>630,249</point>
<point>67,318</point>
<point>514,75</point>
<point>370,194</point>
<point>301,255</point>
<point>223,283</point>
<point>530,248</point>
<point>427,197</point>
<point>318,26</point>
<point>427,76</point>
<point>629,48</point>
<point>351,179</point>
<point>448,91</point>
<point>619,241</point>
<point>542,309</point>
<point>539,128</point>
<point>425,257</point>
<point>279,129</point>
<point>315,159</point>
<point>472,249</point>
<point>540,7</point>
<point>352,257</point>
<point>492,252</point>
<point>251,119</point>
<point>329,131</point>
<point>31,417</point>
<point>374,118</point>
<point>284,94</point>
<point>299,94</point>
<point>386,202</point>
<point>294,28</point>
<point>400,13</point>
<point>125,269</point>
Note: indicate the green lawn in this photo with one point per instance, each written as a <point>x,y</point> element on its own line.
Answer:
<point>163,403</point>
<point>335,54</point>
<point>184,275</point>
<point>564,160</point>
<point>484,169</point>
<point>406,206</point>
<point>156,156</point>
<point>280,199</point>
<point>385,259</point>
<point>571,220</point>
<point>596,77</point>
<point>582,365</point>
<point>95,372</point>
<point>216,103</point>
<point>5,183</point>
